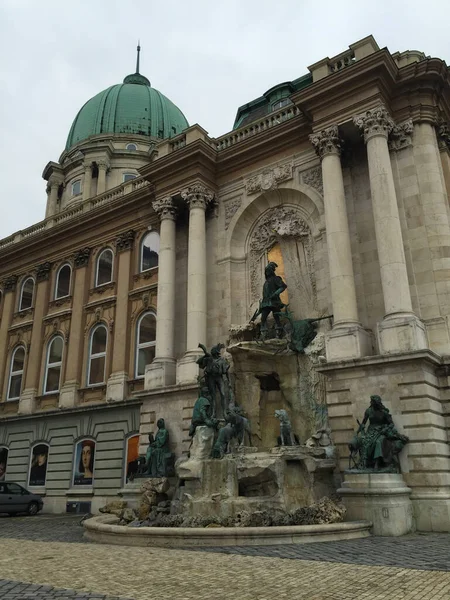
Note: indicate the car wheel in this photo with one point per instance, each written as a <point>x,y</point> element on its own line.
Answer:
<point>33,508</point>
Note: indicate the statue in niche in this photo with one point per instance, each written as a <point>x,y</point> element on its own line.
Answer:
<point>158,456</point>
<point>287,437</point>
<point>202,413</point>
<point>378,447</point>
<point>215,370</point>
<point>271,302</point>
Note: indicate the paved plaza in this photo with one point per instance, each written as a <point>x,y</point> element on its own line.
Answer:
<point>46,558</point>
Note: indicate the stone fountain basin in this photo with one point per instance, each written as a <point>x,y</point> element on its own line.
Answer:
<point>104,529</point>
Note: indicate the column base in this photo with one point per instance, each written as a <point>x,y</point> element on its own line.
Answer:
<point>117,387</point>
<point>401,333</point>
<point>382,498</point>
<point>160,373</point>
<point>348,341</point>
<point>187,368</point>
<point>68,395</point>
<point>27,402</point>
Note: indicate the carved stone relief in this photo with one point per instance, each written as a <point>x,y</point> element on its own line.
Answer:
<point>143,301</point>
<point>97,312</point>
<point>313,178</point>
<point>20,335</point>
<point>81,258</point>
<point>401,136</point>
<point>231,207</point>
<point>125,241</point>
<point>268,179</point>
<point>55,325</point>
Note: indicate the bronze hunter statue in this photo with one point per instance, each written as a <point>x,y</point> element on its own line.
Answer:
<point>215,370</point>
<point>271,302</point>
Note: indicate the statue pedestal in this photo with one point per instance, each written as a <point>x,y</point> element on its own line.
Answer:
<point>382,498</point>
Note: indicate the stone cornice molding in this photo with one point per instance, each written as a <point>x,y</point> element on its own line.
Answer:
<point>165,208</point>
<point>198,196</point>
<point>443,136</point>
<point>125,241</point>
<point>81,258</point>
<point>401,135</point>
<point>375,122</point>
<point>43,271</point>
<point>326,141</point>
<point>9,283</point>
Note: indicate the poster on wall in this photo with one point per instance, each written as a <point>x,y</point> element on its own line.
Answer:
<point>84,463</point>
<point>3,463</point>
<point>38,469</point>
<point>132,456</point>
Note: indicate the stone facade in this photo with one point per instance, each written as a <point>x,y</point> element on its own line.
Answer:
<point>349,186</point>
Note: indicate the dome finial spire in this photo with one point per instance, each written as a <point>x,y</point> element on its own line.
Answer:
<point>138,52</point>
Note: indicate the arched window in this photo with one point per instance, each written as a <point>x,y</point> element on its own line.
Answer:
<point>97,355</point>
<point>26,294</point>
<point>104,267</point>
<point>63,282</point>
<point>150,251</point>
<point>53,365</point>
<point>146,340</point>
<point>16,373</point>
<point>38,465</point>
<point>132,147</point>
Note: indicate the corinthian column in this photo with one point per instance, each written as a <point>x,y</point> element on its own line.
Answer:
<point>87,181</point>
<point>52,199</point>
<point>400,329</point>
<point>347,339</point>
<point>161,371</point>
<point>101,181</point>
<point>197,198</point>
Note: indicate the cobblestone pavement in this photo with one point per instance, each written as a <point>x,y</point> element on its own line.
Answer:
<point>70,570</point>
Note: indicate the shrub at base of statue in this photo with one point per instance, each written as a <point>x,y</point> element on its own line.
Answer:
<point>378,447</point>
<point>287,437</point>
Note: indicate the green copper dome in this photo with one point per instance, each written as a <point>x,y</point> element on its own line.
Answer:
<point>132,107</point>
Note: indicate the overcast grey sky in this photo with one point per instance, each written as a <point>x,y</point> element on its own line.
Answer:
<point>207,56</point>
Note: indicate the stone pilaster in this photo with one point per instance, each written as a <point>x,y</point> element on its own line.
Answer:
<point>117,381</point>
<point>101,181</point>
<point>87,181</point>
<point>197,197</point>
<point>347,339</point>
<point>443,137</point>
<point>52,197</point>
<point>400,329</point>
<point>8,286</point>
<point>163,369</point>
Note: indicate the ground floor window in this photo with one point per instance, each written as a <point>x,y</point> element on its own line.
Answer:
<point>84,463</point>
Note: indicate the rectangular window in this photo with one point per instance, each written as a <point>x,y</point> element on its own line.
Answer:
<point>76,188</point>
<point>145,357</point>
<point>97,371</point>
<point>128,177</point>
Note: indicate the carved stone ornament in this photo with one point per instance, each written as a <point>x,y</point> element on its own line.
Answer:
<point>125,241</point>
<point>231,208</point>
<point>103,165</point>
<point>198,196</point>
<point>326,141</point>
<point>43,271</point>
<point>313,177</point>
<point>374,122</point>
<point>9,284</point>
<point>401,136</point>
<point>268,179</point>
<point>81,258</point>
<point>443,136</point>
<point>165,208</point>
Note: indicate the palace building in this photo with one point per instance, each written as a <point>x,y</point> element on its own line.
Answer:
<point>156,236</point>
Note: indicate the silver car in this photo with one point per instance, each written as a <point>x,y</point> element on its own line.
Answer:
<point>16,499</point>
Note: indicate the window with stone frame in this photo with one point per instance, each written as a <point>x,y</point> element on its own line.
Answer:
<point>145,342</point>
<point>63,278</point>
<point>129,176</point>
<point>26,294</point>
<point>53,365</point>
<point>104,271</point>
<point>149,251</point>
<point>76,187</point>
<point>97,355</point>
<point>16,373</point>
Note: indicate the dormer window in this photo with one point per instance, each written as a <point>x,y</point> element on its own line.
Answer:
<point>132,147</point>
<point>76,187</point>
<point>281,103</point>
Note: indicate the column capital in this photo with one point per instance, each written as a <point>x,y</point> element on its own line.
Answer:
<point>326,141</point>
<point>165,208</point>
<point>125,241</point>
<point>43,271</point>
<point>197,196</point>
<point>376,121</point>
<point>9,283</point>
<point>401,135</point>
<point>81,257</point>
<point>54,181</point>
<point>103,165</point>
<point>87,166</point>
<point>443,136</point>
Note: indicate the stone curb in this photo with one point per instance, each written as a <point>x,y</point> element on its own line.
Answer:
<point>104,530</point>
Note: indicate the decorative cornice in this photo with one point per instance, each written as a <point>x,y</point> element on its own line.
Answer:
<point>443,136</point>
<point>43,271</point>
<point>165,208</point>
<point>81,258</point>
<point>125,241</point>
<point>268,179</point>
<point>9,283</point>
<point>326,141</point>
<point>198,196</point>
<point>401,135</point>
<point>376,121</point>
